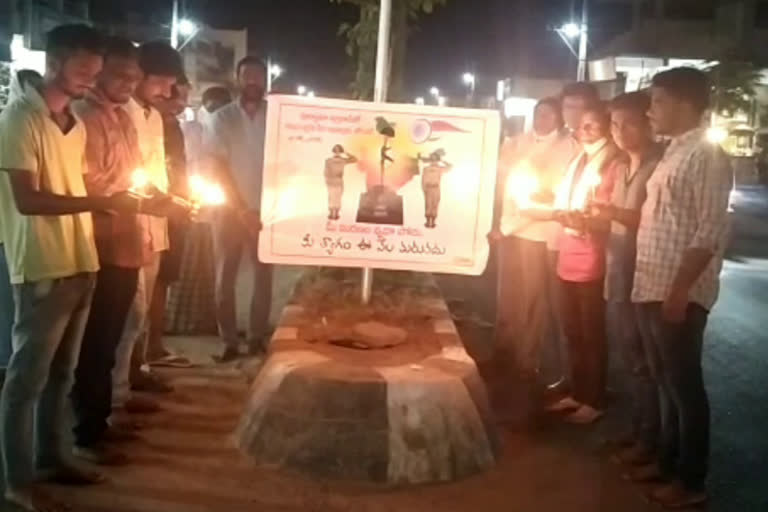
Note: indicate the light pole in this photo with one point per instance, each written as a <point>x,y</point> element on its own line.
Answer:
<point>183,27</point>
<point>569,31</point>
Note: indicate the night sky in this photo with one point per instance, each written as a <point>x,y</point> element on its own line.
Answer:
<point>482,36</point>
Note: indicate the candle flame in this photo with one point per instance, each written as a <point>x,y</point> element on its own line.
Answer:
<point>522,184</point>
<point>139,180</point>
<point>202,192</point>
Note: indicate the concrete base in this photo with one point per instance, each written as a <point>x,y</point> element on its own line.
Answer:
<point>414,413</point>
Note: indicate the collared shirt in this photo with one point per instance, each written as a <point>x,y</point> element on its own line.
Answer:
<point>549,157</point>
<point>52,246</point>
<point>149,126</point>
<point>112,153</point>
<point>687,208</point>
<point>234,137</point>
<point>628,194</point>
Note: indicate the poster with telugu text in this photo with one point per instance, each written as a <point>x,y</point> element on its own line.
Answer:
<point>390,186</point>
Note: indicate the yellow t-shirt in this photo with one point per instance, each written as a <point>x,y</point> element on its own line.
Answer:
<point>43,247</point>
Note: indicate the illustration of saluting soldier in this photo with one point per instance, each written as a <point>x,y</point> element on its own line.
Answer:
<point>430,184</point>
<point>334,179</point>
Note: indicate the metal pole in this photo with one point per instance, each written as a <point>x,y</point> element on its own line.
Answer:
<point>582,71</point>
<point>379,95</point>
<point>269,75</point>
<point>175,25</point>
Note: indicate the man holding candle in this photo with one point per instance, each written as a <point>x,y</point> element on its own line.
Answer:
<point>631,131</point>
<point>534,163</point>
<point>112,154</point>
<point>235,145</point>
<point>52,258</point>
<point>161,66</point>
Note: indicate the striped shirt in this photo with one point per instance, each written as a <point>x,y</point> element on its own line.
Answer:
<point>686,208</point>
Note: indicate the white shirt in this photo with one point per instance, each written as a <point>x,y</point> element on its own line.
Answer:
<point>686,208</point>
<point>548,157</point>
<point>149,126</point>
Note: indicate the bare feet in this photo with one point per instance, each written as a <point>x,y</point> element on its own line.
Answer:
<point>33,499</point>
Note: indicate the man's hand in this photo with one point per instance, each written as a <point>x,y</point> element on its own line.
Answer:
<point>603,211</point>
<point>495,236</point>
<point>251,219</point>
<point>122,202</point>
<point>675,307</point>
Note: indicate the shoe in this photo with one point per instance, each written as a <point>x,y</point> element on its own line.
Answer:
<point>584,415</point>
<point>100,454</point>
<point>230,354</point>
<point>675,496</point>
<point>563,405</point>
<point>141,405</point>
<point>644,474</point>
<point>68,473</point>
<point>171,361</point>
<point>115,434</point>
<point>636,455</point>
<point>150,383</point>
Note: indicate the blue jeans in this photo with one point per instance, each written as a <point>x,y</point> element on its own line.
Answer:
<point>50,320</point>
<point>674,356</point>
<point>6,311</point>
<point>624,333</point>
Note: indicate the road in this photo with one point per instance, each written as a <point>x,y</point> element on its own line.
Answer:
<point>735,356</point>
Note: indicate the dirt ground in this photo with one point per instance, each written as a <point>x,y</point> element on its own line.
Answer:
<point>186,462</point>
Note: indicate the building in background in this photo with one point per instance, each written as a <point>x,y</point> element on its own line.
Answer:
<point>23,25</point>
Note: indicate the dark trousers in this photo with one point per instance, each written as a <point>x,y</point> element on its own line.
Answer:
<point>624,333</point>
<point>583,313</point>
<point>92,392</point>
<point>674,356</point>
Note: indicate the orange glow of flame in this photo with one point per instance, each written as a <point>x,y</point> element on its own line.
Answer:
<point>522,184</point>
<point>205,193</point>
<point>139,180</point>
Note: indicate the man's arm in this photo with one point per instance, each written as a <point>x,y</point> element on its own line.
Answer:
<point>30,200</point>
<point>712,184</point>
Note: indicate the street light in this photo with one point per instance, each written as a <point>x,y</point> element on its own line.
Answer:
<point>420,100</point>
<point>274,71</point>
<point>570,30</point>
<point>469,79</point>
<point>311,94</point>
<point>187,27</point>
<point>434,91</point>
<point>302,90</point>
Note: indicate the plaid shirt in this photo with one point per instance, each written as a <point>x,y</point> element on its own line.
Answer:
<point>112,154</point>
<point>687,208</point>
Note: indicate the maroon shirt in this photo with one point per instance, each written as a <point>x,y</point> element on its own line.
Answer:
<point>112,154</point>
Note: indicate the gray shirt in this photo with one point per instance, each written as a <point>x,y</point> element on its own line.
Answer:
<point>621,250</point>
<point>238,139</point>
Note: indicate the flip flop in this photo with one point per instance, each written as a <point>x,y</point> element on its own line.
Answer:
<point>172,361</point>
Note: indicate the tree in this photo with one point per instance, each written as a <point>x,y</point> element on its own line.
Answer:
<point>363,35</point>
<point>733,86</point>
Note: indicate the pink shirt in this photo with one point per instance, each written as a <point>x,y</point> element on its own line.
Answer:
<point>582,255</point>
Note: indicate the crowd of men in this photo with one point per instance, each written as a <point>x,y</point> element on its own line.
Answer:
<point>621,244</point>
<point>87,258</point>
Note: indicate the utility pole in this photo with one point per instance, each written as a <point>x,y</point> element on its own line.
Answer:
<point>581,74</point>
<point>379,95</point>
<point>175,24</point>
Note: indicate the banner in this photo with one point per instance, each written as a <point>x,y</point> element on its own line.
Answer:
<point>357,184</point>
